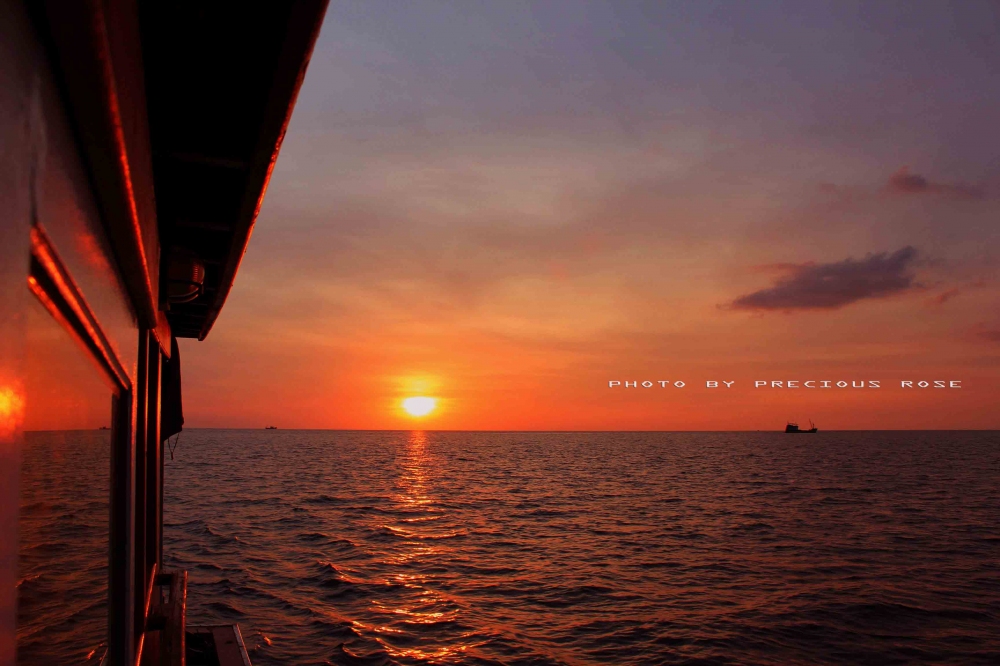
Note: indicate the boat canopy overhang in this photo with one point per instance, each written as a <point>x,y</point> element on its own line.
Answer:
<point>220,82</point>
<point>180,109</point>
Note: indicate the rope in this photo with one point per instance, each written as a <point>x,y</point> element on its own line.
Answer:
<point>174,445</point>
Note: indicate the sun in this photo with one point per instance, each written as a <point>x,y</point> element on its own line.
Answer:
<point>419,406</point>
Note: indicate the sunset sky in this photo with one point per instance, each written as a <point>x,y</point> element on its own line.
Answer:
<point>506,205</point>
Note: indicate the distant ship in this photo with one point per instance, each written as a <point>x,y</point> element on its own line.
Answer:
<point>794,427</point>
<point>271,428</point>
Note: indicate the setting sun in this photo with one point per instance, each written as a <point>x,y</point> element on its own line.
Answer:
<point>419,406</point>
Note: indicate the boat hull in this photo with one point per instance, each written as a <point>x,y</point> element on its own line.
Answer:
<point>792,428</point>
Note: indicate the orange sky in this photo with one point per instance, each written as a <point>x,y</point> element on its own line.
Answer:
<point>508,206</point>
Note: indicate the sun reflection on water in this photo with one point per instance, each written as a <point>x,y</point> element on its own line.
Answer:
<point>413,596</point>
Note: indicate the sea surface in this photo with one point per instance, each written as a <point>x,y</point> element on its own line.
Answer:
<point>63,525</point>
<point>338,547</point>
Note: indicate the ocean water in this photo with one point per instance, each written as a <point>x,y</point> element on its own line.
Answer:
<point>332,547</point>
<point>63,524</point>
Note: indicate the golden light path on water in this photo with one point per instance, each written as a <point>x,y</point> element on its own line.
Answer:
<point>420,547</point>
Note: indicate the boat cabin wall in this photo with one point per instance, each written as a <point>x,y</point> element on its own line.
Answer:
<point>78,239</point>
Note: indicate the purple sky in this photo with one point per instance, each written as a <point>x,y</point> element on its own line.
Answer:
<point>508,204</point>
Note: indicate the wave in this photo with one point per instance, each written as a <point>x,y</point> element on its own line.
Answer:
<point>597,548</point>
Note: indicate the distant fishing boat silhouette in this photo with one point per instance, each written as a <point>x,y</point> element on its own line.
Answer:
<point>794,427</point>
<point>270,427</point>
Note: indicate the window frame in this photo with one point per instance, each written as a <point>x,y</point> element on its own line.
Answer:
<point>134,551</point>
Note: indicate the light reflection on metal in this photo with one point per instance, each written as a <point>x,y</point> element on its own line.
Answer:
<point>121,153</point>
<point>185,277</point>
<point>52,284</point>
<point>90,249</point>
<point>11,410</point>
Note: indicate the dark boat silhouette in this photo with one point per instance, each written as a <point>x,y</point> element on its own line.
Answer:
<point>794,427</point>
<point>270,427</point>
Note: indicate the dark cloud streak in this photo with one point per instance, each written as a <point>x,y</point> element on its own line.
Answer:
<point>991,335</point>
<point>905,183</point>
<point>829,286</point>
<point>944,297</point>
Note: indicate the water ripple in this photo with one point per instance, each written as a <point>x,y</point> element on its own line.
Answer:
<point>586,548</point>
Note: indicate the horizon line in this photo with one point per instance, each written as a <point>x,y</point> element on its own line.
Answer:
<point>543,430</point>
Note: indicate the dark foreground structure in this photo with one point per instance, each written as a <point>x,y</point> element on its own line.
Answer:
<point>793,427</point>
<point>136,142</point>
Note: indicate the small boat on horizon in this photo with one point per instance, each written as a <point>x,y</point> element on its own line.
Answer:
<point>794,427</point>
<point>270,427</point>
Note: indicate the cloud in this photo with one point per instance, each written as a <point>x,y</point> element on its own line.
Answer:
<point>986,331</point>
<point>812,286</point>
<point>905,183</point>
<point>944,297</point>
<point>993,335</point>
